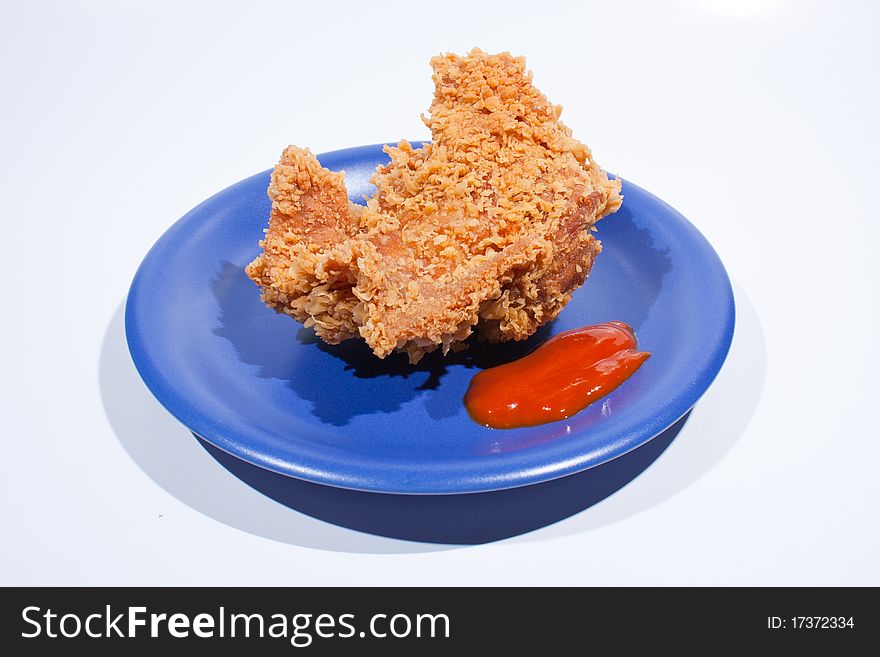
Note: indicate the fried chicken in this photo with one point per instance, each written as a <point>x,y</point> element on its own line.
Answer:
<point>488,227</point>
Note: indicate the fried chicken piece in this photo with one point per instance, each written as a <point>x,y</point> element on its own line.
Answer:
<point>489,226</point>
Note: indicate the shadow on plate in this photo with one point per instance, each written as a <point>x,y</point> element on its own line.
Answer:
<point>259,338</point>
<point>279,508</point>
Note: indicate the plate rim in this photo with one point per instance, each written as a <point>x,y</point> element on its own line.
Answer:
<point>200,424</point>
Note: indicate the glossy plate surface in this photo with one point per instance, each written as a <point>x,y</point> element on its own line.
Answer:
<point>259,386</point>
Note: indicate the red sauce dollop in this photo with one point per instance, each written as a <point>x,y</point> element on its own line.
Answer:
<point>560,378</point>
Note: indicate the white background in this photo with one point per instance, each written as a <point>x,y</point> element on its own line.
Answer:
<point>758,120</point>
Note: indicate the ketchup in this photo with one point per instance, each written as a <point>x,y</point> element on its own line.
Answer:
<point>560,378</point>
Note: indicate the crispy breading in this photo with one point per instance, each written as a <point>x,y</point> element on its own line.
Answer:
<point>488,226</point>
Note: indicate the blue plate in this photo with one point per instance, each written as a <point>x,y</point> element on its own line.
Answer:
<point>259,386</point>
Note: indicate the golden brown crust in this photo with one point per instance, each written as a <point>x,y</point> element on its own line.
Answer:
<point>305,269</point>
<point>487,226</point>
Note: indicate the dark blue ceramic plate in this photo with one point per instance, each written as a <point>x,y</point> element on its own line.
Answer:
<point>262,388</point>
